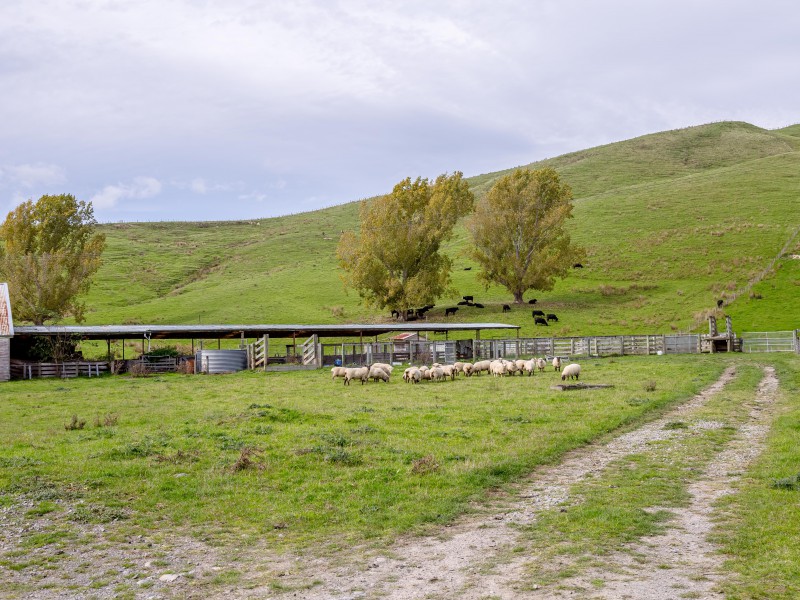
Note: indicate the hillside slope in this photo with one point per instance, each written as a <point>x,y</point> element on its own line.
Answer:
<point>671,221</point>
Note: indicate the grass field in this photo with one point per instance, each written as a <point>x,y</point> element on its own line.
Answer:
<point>671,221</point>
<point>298,463</point>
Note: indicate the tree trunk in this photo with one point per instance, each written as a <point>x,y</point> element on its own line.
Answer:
<point>518,297</point>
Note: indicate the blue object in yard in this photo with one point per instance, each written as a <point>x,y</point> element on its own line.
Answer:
<point>337,362</point>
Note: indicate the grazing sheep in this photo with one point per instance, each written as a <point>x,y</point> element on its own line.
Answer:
<point>408,373</point>
<point>539,321</point>
<point>537,313</point>
<point>506,308</point>
<point>415,376</point>
<point>449,371</point>
<point>557,363</point>
<point>468,298</point>
<point>467,368</point>
<point>425,372</point>
<point>520,365</point>
<point>450,311</point>
<point>481,365</point>
<point>511,367</point>
<point>552,317</point>
<point>361,373</point>
<point>437,374</point>
<point>337,372</point>
<point>541,364</point>
<point>570,371</point>
<point>386,367</point>
<point>459,367</point>
<point>376,373</point>
<point>498,368</point>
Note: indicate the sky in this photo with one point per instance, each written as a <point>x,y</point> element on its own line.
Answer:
<point>208,110</point>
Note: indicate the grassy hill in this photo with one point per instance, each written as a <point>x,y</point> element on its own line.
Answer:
<point>672,221</point>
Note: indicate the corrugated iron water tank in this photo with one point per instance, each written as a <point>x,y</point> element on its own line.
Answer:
<point>220,361</point>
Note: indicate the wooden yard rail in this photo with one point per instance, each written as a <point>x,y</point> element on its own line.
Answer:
<point>21,369</point>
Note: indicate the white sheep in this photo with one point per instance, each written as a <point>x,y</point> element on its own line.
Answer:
<point>377,372</point>
<point>384,366</point>
<point>570,371</point>
<point>361,373</point>
<point>511,367</point>
<point>498,368</point>
<point>415,376</point>
<point>437,374</point>
<point>541,364</point>
<point>459,367</point>
<point>337,372</point>
<point>467,369</point>
<point>481,365</point>
<point>557,363</point>
<point>530,367</point>
<point>425,372</point>
<point>449,371</point>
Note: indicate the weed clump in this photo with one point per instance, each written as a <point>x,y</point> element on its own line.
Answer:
<point>75,424</point>
<point>787,483</point>
<point>108,420</point>
<point>249,458</point>
<point>425,465</point>
<point>650,386</point>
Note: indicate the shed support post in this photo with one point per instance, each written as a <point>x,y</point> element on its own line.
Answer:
<point>266,351</point>
<point>108,341</point>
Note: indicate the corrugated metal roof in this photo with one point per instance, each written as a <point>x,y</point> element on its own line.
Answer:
<point>6,322</point>
<point>186,332</point>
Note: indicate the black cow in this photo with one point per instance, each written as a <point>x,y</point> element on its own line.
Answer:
<point>463,303</point>
<point>476,305</point>
<point>468,268</point>
<point>532,301</point>
<point>469,298</point>
<point>506,308</point>
<point>540,321</point>
<point>395,314</point>
<point>450,311</point>
<point>551,317</point>
<point>537,313</point>
<point>720,303</point>
<point>577,266</point>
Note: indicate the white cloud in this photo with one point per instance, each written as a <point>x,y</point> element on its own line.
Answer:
<point>139,188</point>
<point>33,175</point>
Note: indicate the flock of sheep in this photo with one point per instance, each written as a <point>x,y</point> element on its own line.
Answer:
<point>438,372</point>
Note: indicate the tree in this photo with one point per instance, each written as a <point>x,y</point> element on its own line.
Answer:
<point>51,253</point>
<point>395,261</point>
<point>518,232</point>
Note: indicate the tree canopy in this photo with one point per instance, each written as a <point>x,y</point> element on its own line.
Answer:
<point>50,254</point>
<point>518,232</point>
<point>394,262</point>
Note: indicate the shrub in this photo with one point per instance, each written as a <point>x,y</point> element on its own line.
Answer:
<point>650,386</point>
<point>108,420</point>
<point>248,459</point>
<point>138,369</point>
<point>426,464</point>
<point>75,423</point>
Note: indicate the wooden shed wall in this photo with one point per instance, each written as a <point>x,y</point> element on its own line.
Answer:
<point>5,359</point>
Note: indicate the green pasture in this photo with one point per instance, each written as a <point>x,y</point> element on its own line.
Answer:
<point>329,461</point>
<point>671,223</point>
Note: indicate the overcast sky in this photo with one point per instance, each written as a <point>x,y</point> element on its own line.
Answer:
<point>193,109</point>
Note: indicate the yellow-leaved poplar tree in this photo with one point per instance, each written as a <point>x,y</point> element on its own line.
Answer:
<point>395,260</point>
<point>519,235</point>
<point>49,255</point>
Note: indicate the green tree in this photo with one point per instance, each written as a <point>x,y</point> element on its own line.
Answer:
<point>50,254</point>
<point>395,261</point>
<point>518,232</point>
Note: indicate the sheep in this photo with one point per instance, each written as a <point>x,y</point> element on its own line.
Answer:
<point>459,367</point>
<point>539,321</point>
<point>425,372</point>
<point>386,367</point>
<point>541,364</point>
<point>415,376</point>
<point>570,371</point>
<point>450,311</point>
<point>506,308</point>
<point>467,368</point>
<point>437,374</point>
<point>511,367</point>
<point>476,305</point>
<point>530,366</point>
<point>376,373</point>
<point>337,372</point>
<point>449,371</point>
<point>557,363</point>
<point>577,266</point>
<point>361,373</point>
<point>463,303</point>
<point>498,368</point>
<point>469,298</point>
<point>481,365</point>
<point>552,317</point>
<point>407,374</point>
<point>532,301</point>
<point>537,313</point>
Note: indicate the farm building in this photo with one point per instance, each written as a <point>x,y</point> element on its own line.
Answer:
<point>6,332</point>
